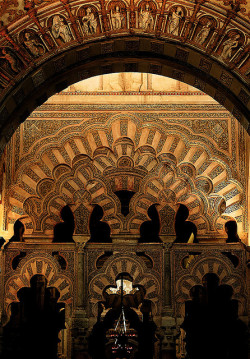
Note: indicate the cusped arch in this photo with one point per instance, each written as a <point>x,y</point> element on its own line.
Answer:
<point>38,263</point>
<point>210,263</point>
<point>196,176</point>
<point>136,268</point>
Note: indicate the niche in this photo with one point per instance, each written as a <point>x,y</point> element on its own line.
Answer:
<point>35,322</point>
<point>213,328</point>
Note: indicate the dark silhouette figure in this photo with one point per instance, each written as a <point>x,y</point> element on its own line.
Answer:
<point>63,231</point>
<point>231,230</point>
<point>149,231</point>
<point>18,232</point>
<point>213,329</point>
<point>183,228</point>
<point>146,332</point>
<point>99,231</point>
<point>35,322</point>
<point>98,335</point>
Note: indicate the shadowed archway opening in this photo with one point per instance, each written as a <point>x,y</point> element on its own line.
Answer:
<point>211,322</point>
<point>35,322</point>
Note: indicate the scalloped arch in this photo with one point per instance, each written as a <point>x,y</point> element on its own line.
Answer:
<point>125,162</point>
<point>38,263</point>
<point>210,263</point>
<point>136,268</point>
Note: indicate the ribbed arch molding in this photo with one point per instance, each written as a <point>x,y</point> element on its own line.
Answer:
<point>158,162</point>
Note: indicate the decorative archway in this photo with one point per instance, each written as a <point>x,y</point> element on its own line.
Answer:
<point>136,268</point>
<point>42,264</point>
<point>179,166</point>
<point>203,44</point>
<point>209,261</point>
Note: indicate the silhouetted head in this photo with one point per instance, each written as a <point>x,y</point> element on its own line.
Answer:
<point>99,230</point>
<point>97,212</point>
<point>231,227</point>
<point>231,230</point>
<point>22,294</point>
<point>146,306</point>
<point>18,230</point>
<point>149,230</point>
<point>38,281</point>
<point>210,281</point>
<point>66,214</point>
<point>182,213</point>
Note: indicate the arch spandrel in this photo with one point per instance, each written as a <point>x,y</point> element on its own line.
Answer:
<point>168,39</point>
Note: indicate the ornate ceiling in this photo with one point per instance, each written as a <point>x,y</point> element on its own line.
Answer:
<point>47,45</point>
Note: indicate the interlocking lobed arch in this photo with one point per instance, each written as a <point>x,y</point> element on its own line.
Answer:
<point>84,165</point>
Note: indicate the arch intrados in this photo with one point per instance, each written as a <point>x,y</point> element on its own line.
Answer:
<point>121,55</point>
